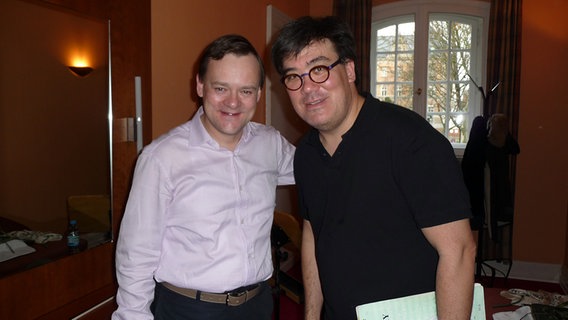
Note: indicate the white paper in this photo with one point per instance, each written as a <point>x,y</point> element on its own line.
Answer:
<point>19,247</point>
<point>415,307</point>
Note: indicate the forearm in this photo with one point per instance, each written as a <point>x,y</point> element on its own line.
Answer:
<point>454,293</point>
<point>313,297</point>
<point>136,290</point>
<point>454,286</point>
<point>455,272</point>
<point>135,266</point>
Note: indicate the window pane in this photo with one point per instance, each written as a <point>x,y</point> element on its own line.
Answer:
<point>385,92</point>
<point>438,35</point>
<point>457,128</point>
<point>386,39</point>
<point>405,67</point>
<point>405,37</point>
<point>404,95</point>
<point>385,67</point>
<point>459,98</point>
<point>460,65</point>
<point>437,66</point>
<point>437,97</point>
<point>461,36</point>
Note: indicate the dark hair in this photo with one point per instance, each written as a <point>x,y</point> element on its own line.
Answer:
<point>298,34</point>
<point>228,44</point>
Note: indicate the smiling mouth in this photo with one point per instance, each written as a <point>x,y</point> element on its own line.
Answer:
<point>314,98</point>
<point>314,102</point>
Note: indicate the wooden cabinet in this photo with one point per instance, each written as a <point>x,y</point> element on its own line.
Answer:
<point>85,283</point>
<point>60,289</point>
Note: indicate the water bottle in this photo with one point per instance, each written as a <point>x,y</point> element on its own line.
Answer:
<point>73,237</point>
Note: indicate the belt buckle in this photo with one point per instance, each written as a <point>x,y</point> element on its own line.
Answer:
<point>236,298</point>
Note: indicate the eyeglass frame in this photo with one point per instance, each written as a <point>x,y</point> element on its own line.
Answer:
<point>301,76</point>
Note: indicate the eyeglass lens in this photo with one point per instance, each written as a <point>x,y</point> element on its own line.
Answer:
<point>317,74</point>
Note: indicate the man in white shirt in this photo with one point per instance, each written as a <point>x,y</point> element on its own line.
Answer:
<point>194,242</point>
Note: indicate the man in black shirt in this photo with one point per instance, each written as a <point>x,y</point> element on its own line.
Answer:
<point>386,213</point>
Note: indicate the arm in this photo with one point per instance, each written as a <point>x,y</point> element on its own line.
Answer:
<point>454,278</point>
<point>286,162</point>
<point>139,241</point>
<point>312,287</point>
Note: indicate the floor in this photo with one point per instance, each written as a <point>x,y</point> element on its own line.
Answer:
<point>494,302</point>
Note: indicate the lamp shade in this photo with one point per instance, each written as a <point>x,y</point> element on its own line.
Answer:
<point>81,71</point>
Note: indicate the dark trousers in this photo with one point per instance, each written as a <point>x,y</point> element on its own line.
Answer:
<point>169,305</point>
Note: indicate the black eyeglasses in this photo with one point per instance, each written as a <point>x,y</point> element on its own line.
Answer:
<point>318,74</point>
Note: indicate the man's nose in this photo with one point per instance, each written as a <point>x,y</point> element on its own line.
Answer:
<point>308,84</point>
<point>232,100</point>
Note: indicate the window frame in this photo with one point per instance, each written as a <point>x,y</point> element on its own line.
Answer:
<point>420,11</point>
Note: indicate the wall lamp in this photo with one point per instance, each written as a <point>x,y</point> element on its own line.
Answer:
<point>80,71</point>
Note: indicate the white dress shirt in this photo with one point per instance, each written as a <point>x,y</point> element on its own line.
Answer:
<point>198,215</point>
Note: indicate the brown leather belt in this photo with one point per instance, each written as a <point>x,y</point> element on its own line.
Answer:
<point>233,298</point>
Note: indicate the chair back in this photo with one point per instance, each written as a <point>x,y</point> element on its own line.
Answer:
<point>92,212</point>
<point>291,227</point>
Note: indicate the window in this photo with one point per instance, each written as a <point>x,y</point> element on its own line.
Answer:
<point>425,57</point>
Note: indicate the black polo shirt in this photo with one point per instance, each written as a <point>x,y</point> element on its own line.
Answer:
<point>392,175</point>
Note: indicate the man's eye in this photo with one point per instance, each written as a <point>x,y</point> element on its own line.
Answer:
<point>219,89</point>
<point>291,77</point>
<point>247,92</point>
<point>318,69</point>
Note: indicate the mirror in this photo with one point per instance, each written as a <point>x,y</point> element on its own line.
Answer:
<point>54,124</point>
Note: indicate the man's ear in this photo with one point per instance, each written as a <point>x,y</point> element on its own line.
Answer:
<point>259,93</point>
<point>199,86</point>
<point>350,69</point>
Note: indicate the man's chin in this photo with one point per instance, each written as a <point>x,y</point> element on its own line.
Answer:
<point>316,122</point>
<point>232,130</point>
